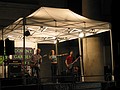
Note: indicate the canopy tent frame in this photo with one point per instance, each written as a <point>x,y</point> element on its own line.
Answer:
<point>51,18</point>
<point>63,27</point>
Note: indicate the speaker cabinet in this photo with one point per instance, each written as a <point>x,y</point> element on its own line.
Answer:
<point>9,47</point>
<point>1,47</point>
<point>14,68</point>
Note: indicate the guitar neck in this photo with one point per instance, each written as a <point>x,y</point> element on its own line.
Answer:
<point>75,60</point>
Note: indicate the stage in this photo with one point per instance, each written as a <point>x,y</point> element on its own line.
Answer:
<point>33,83</point>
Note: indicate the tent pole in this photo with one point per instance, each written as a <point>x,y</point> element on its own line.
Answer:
<point>24,23</point>
<point>81,61</point>
<point>56,49</point>
<point>112,55</point>
<point>4,63</point>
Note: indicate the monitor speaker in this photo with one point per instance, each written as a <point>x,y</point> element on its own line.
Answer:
<point>9,47</point>
<point>1,47</point>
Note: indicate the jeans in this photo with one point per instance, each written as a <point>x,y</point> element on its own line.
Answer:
<point>54,68</point>
<point>36,72</point>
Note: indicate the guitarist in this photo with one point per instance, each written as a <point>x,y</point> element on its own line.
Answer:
<point>68,61</point>
<point>36,60</point>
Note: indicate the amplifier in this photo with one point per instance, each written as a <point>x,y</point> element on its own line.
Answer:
<point>14,68</point>
<point>10,62</point>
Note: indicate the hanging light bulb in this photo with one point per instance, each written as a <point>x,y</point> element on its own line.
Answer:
<point>81,35</point>
<point>55,41</point>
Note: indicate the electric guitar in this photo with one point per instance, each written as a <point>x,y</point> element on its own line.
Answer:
<point>71,65</point>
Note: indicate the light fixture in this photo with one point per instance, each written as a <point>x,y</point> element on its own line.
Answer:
<point>27,33</point>
<point>56,41</point>
<point>81,35</point>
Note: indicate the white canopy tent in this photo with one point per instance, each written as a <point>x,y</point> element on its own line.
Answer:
<point>48,24</point>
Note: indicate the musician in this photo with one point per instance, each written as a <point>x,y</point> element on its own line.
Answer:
<point>54,63</point>
<point>36,60</point>
<point>68,61</point>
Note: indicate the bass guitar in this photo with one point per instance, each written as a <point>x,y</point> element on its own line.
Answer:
<point>71,65</point>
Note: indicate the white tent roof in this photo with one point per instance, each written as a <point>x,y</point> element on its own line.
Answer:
<point>47,24</point>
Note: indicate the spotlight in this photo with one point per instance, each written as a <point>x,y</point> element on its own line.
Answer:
<point>27,33</point>
<point>81,35</point>
<point>56,41</point>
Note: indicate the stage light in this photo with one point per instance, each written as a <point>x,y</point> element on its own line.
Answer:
<point>81,35</point>
<point>56,41</point>
<point>27,33</point>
